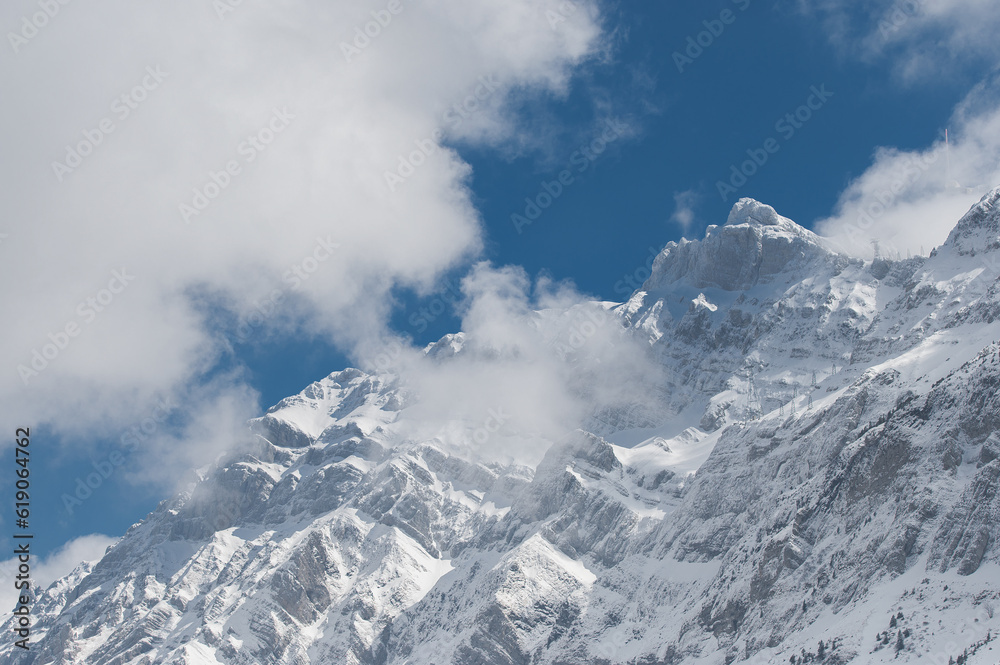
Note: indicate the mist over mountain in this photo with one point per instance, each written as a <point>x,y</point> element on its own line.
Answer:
<point>771,452</point>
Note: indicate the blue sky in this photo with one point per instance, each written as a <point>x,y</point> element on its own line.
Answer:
<point>676,119</point>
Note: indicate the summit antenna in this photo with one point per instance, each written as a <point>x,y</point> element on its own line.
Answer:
<point>947,159</point>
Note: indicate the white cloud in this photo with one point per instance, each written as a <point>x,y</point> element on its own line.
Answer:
<point>908,200</point>
<point>923,39</point>
<point>683,215</point>
<point>58,564</point>
<point>911,199</point>
<point>543,355</point>
<point>260,115</point>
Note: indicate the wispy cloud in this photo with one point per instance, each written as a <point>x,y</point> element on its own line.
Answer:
<point>683,215</point>
<point>57,565</point>
<point>539,352</point>
<point>922,39</point>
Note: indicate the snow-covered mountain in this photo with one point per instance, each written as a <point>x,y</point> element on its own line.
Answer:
<point>819,481</point>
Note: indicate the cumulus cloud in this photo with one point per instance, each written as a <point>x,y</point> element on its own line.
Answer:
<point>57,565</point>
<point>910,200</point>
<point>179,177</point>
<point>535,360</point>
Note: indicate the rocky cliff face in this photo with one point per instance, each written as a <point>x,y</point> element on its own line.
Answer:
<point>823,467</point>
<point>755,246</point>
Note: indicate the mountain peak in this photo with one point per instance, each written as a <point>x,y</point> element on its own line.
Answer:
<point>751,211</point>
<point>979,229</point>
<point>755,245</point>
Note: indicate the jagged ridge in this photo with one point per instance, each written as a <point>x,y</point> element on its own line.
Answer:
<point>825,455</point>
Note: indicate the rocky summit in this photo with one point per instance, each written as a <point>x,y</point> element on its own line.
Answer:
<point>818,480</point>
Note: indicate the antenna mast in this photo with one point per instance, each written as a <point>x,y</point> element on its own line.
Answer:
<point>947,159</point>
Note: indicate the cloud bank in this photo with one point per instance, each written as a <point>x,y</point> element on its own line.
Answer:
<point>181,176</point>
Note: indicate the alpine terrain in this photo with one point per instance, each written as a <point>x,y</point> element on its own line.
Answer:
<point>818,480</point>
